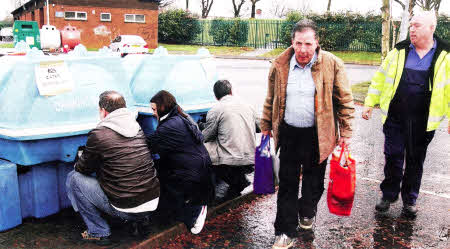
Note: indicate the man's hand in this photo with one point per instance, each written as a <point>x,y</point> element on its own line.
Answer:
<point>265,133</point>
<point>367,112</point>
<point>344,141</point>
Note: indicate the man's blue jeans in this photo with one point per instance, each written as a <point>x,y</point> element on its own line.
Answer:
<point>88,198</point>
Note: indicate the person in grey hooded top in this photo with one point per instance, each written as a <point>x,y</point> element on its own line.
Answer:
<point>126,183</point>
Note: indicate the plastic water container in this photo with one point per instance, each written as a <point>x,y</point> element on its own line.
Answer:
<point>70,36</point>
<point>10,213</point>
<point>190,78</point>
<point>42,124</point>
<point>50,37</point>
<point>39,191</point>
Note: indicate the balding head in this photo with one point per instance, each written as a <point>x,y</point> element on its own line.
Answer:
<point>111,101</point>
<point>422,27</point>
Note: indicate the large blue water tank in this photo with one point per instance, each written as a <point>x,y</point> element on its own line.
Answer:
<point>42,119</point>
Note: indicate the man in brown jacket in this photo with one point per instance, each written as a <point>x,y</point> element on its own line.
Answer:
<point>309,108</point>
<point>126,184</point>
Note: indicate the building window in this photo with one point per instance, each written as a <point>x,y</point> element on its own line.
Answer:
<point>105,17</point>
<point>75,15</point>
<point>135,18</point>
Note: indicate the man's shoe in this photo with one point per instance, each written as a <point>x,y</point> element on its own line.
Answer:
<point>101,241</point>
<point>409,210</point>
<point>305,223</point>
<point>200,222</point>
<point>282,242</point>
<point>383,205</point>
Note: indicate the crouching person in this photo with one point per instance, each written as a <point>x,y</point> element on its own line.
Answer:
<point>126,183</point>
<point>184,164</point>
<point>230,133</point>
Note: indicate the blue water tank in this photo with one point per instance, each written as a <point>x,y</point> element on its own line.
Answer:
<point>10,213</point>
<point>46,102</point>
<point>190,78</point>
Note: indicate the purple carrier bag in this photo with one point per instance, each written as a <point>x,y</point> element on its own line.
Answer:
<point>263,178</point>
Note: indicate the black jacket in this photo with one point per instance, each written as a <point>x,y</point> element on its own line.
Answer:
<point>184,159</point>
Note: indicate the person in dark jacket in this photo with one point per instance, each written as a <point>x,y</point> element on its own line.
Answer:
<point>184,165</point>
<point>126,183</point>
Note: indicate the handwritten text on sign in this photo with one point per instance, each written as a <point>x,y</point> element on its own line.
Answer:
<point>53,78</point>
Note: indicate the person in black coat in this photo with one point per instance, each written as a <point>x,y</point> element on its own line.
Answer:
<point>184,166</point>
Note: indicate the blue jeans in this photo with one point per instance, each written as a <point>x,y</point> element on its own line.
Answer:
<point>90,201</point>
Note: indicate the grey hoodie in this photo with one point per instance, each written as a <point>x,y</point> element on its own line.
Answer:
<point>122,121</point>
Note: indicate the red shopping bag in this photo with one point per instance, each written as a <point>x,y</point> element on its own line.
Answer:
<point>341,188</point>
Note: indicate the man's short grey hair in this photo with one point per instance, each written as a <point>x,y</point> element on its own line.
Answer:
<point>302,25</point>
<point>111,101</point>
<point>427,14</point>
<point>222,88</point>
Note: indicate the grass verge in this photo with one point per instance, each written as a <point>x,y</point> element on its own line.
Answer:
<point>6,45</point>
<point>214,50</point>
<point>360,91</point>
<point>368,58</point>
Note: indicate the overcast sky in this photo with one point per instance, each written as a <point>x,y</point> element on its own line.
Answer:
<point>225,8</point>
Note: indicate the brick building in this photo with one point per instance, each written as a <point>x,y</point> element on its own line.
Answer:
<point>99,21</point>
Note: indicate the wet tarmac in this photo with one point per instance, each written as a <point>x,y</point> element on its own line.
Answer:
<point>251,226</point>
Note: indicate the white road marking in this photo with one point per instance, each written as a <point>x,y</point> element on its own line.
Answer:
<point>447,196</point>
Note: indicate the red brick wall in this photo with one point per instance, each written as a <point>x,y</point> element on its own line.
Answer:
<point>96,33</point>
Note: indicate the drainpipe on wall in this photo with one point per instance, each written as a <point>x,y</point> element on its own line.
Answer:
<point>48,14</point>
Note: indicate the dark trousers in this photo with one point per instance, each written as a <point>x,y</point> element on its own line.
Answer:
<point>298,150</point>
<point>175,202</point>
<point>234,176</point>
<point>407,140</point>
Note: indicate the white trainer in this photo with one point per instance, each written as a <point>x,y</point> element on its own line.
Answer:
<point>200,222</point>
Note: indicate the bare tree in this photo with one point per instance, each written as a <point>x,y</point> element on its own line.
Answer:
<point>385,13</point>
<point>329,6</point>
<point>305,7</point>
<point>279,8</point>
<point>237,7</point>
<point>407,6</point>
<point>165,3</point>
<point>206,7</point>
<point>254,7</point>
<point>429,5</point>
<point>407,3</point>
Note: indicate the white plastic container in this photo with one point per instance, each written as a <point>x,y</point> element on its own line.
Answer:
<point>50,37</point>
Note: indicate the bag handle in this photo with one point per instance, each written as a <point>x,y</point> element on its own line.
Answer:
<point>344,148</point>
<point>265,141</point>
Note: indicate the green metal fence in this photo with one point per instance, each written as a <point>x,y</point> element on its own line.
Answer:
<point>276,33</point>
<point>260,34</point>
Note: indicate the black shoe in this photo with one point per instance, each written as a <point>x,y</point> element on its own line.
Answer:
<point>383,205</point>
<point>305,223</point>
<point>409,210</point>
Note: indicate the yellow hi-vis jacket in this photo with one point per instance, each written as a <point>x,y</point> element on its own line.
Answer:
<point>385,82</point>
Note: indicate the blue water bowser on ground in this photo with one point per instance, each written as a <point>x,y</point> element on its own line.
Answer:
<point>48,104</point>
